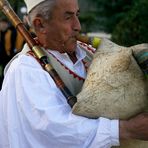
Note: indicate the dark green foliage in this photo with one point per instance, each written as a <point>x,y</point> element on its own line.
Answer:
<point>126,20</point>
<point>113,11</point>
<point>87,20</point>
<point>133,29</point>
<point>88,15</point>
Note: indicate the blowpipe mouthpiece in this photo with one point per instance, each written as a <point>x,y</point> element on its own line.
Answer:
<point>94,41</point>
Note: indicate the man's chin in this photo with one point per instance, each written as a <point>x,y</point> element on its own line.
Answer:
<point>73,47</point>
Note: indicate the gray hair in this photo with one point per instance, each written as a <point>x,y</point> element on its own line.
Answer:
<point>44,10</point>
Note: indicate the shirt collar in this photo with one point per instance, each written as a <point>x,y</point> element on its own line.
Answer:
<point>80,54</point>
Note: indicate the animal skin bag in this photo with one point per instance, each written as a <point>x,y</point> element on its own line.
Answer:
<point>115,86</point>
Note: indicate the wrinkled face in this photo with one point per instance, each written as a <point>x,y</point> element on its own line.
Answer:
<point>63,27</point>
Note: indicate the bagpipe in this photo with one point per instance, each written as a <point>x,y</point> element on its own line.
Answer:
<point>116,85</point>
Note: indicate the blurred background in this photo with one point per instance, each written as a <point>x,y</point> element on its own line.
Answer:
<point>125,22</point>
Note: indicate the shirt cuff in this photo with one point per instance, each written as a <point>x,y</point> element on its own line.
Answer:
<point>107,134</point>
<point>115,132</point>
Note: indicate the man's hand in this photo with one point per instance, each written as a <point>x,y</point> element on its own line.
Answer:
<point>135,128</point>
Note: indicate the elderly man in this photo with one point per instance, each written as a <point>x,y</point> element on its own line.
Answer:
<point>33,111</point>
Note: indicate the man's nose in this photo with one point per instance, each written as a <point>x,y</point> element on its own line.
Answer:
<point>76,24</point>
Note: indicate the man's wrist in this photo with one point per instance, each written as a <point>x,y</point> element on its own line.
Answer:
<point>124,132</point>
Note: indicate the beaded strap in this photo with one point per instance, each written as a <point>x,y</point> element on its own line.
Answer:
<point>142,59</point>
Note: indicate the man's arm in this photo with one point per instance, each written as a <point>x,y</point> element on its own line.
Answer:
<point>135,128</point>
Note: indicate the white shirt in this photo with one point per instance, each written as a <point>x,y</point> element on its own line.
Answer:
<point>35,114</point>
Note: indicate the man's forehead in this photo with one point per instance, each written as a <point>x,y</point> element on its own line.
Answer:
<point>72,12</point>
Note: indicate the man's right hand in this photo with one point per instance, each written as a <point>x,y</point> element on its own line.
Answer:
<point>135,128</point>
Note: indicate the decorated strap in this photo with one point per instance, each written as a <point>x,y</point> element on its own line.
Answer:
<point>87,47</point>
<point>142,59</point>
<point>31,53</point>
<point>67,69</point>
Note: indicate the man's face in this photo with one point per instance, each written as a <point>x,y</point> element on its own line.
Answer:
<point>63,27</point>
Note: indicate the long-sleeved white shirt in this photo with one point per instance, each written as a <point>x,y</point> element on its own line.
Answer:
<point>35,114</point>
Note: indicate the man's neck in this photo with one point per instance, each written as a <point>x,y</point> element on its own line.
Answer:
<point>73,57</point>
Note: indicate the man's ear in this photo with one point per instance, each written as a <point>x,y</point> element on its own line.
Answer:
<point>39,25</point>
